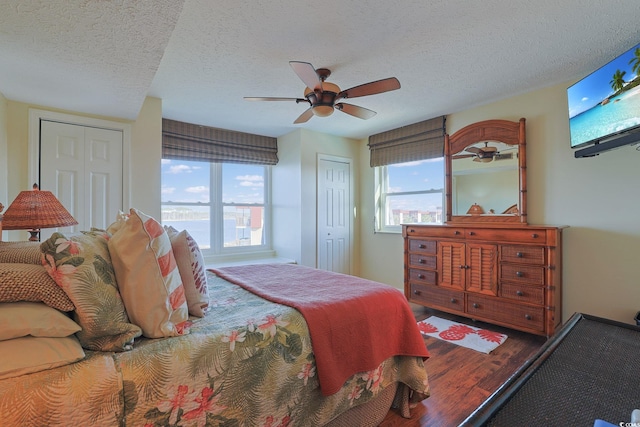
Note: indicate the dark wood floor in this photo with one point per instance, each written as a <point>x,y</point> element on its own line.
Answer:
<point>460,378</point>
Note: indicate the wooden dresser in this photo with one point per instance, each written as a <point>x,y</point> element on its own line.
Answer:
<point>509,275</point>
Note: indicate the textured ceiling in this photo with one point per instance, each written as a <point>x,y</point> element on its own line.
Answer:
<point>201,57</point>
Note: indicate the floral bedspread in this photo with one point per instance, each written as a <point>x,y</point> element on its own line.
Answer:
<point>248,362</point>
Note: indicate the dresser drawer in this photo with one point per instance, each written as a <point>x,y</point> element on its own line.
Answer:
<point>525,316</point>
<point>422,276</point>
<point>433,296</point>
<point>524,293</point>
<point>506,235</point>
<point>526,274</point>
<point>422,246</point>
<point>522,254</point>
<point>422,261</point>
<point>435,231</point>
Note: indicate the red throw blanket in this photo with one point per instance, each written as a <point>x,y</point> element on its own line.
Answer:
<point>354,323</point>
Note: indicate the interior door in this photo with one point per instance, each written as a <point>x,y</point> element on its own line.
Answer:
<point>82,166</point>
<point>334,218</point>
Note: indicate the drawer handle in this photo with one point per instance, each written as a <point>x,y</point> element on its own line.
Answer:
<point>534,235</point>
<point>420,276</point>
<point>519,254</point>
<point>519,274</point>
<point>422,246</point>
<point>476,305</point>
<point>453,300</point>
<point>472,233</point>
<point>412,230</point>
<point>519,293</point>
<point>455,233</point>
<point>417,292</point>
<point>421,261</point>
<point>527,316</point>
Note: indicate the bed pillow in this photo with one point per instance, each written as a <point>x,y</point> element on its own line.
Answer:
<point>27,355</point>
<point>30,282</point>
<point>81,265</point>
<point>20,252</point>
<point>148,277</point>
<point>121,218</point>
<point>19,319</point>
<point>192,271</point>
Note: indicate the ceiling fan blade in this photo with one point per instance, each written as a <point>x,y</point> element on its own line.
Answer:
<point>464,156</point>
<point>354,110</point>
<point>483,159</point>
<point>307,74</point>
<point>268,98</point>
<point>474,150</point>
<point>371,88</point>
<point>304,117</point>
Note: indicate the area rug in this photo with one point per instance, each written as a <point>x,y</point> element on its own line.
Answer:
<point>471,337</point>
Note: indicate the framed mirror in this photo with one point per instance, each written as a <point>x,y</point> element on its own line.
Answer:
<point>485,173</point>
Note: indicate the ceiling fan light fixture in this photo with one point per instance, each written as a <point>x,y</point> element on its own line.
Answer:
<point>322,110</point>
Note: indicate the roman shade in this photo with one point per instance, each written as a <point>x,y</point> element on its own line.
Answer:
<point>187,141</point>
<point>418,141</point>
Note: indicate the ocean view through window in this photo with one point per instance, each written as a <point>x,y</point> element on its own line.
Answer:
<point>223,206</point>
<point>409,193</point>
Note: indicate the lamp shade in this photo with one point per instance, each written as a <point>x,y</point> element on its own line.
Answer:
<point>34,210</point>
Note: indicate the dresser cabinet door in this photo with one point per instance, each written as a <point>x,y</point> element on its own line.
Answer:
<point>452,264</point>
<point>482,269</point>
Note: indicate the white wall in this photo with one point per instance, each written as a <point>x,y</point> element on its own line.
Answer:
<point>3,156</point>
<point>294,192</point>
<point>596,197</point>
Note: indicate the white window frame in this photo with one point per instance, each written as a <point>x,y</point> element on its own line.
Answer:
<point>381,208</point>
<point>217,252</point>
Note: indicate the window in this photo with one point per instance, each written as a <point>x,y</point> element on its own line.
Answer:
<point>224,206</point>
<point>409,193</point>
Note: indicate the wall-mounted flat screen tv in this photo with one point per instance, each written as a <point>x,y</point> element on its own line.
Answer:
<point>606,103</point>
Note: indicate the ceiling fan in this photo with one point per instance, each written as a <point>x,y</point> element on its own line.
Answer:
<point>322,95</point>
<point>484,155</point>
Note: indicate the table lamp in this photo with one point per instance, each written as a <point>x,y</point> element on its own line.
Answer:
<point>34,210</point>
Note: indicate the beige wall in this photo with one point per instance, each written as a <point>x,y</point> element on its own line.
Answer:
<point>595,197</point>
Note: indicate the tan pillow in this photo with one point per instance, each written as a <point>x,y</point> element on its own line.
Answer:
<point>81,265</point>
<point>30,282</point>
<point>148,277</point>
<point>19,319</point>
<point>20,252</point>
<point>27,355</point>
<point>192,271</point>
<point>121,218</point>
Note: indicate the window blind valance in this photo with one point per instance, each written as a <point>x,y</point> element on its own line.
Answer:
<point>187,141</point>
<point>418,141</point>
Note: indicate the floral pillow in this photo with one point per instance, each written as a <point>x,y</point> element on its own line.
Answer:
<point>81,265</point>
<point>148,277</point>
<point>192,271</point>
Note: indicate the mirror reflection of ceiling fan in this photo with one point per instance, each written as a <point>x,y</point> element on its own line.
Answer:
<point>485,154</point>
<point>322,95</point>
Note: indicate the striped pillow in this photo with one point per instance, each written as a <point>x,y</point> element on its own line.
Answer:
<point>148,277</point>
